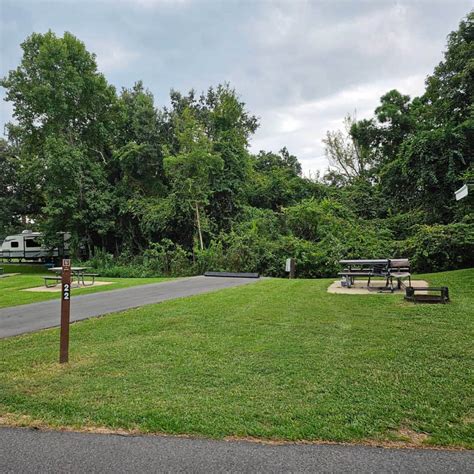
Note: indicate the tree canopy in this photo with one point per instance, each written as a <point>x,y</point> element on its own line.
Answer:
<point>178,185</point>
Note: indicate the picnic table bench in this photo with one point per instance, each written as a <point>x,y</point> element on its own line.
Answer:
<point>389,269</point>
<point>78,274</point>
<point>48,278</point>
<point>362,268</point>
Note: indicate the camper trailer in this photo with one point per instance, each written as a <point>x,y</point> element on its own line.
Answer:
<point>28,246</point>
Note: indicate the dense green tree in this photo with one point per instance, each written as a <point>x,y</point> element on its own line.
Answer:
<point>57,89</point>
<point>431,160</point>
<point>10,204</point>
<point>267,162</point>
<point>276,181</point>
<point>228,126</point>
<point>136,168</point>
<point>79,200</point>
<point>64,111</point>
<point>450,89</point>
<point>192,171</point>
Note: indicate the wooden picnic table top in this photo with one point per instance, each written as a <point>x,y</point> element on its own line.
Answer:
<point>73,269</point>
<point>381,261</point>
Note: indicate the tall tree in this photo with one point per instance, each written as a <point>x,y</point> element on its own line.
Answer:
<point>136,169</point>
<point>10,203</point>
<point>60,100</point>
<point>432,160</point>
<point>193,169</point>
<point>228,126</point>
<point>347,157</point>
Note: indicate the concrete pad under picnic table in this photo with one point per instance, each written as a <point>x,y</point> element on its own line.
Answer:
<point>32,317</point>
<point>57,288</point>
<point>359,287</point>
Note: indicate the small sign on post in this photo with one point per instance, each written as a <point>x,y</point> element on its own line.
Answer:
<point>65,311</point>
<point>290,267</point>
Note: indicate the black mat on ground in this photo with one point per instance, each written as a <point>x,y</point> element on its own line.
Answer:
<point>232,275</point>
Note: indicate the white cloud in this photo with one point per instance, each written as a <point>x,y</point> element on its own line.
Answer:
<point>139,3</point>
<point>300,66</point>
<point>111,55</point>
<point>302,126</point>
<point>153,3</point>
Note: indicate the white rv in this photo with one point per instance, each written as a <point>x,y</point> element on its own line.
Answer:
<point>28,246</point>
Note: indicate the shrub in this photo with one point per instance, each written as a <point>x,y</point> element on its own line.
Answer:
<point>440,247</point>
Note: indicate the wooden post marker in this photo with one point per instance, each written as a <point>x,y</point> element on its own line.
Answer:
<point>65,311</point>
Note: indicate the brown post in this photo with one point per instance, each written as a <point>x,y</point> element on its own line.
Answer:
<point>292,268</point>
<point>65,310</point>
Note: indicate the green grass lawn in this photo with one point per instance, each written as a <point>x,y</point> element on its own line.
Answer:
<point>11,287</point>
<point>279,359</point>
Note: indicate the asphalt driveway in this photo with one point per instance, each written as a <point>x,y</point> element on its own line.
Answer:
<point>35,316</point>
<point>25,450</point>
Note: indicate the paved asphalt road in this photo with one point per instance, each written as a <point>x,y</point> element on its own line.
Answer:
<point>33,317</point>
<point>24,450</point>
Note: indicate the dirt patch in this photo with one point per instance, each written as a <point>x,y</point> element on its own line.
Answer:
<point>413,438</point>
<point>468,420</point>
<point>11,419</point>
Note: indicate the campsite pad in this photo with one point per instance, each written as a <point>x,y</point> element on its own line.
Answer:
<point>57,288</point>
<point>360,287</point>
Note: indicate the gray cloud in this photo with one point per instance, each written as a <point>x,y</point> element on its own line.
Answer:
<point>299,65</point>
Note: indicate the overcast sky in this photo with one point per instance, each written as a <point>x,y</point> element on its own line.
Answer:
<point>299,65</point>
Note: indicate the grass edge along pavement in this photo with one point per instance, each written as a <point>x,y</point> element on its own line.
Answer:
<point>12,294</point>
<point>279,360</point>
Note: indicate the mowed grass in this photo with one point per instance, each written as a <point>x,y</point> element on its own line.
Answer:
<point>31,276</point>
<point>278,359</point>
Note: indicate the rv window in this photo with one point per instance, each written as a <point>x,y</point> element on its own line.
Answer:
<point>13,244</point>
<point>29,243</point>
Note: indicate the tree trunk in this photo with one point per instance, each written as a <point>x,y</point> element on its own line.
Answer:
<point>198,221</point>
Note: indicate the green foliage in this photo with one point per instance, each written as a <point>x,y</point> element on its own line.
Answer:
<point>175,190</point>
<point>276,181</point>
<point>163,258</point>
<point>10,201</point>
<point>313,220</point>
<point>57,90</point>
<point>77,200</point>
<point>450,89</point>
<point>167,258</point>
<point>63,108</point>
<point>439,247</point>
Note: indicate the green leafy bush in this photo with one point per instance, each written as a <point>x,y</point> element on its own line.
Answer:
<point>440,247</point>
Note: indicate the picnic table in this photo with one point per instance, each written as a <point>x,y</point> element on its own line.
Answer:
<point>78,274</point>
<point>383,267</point>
